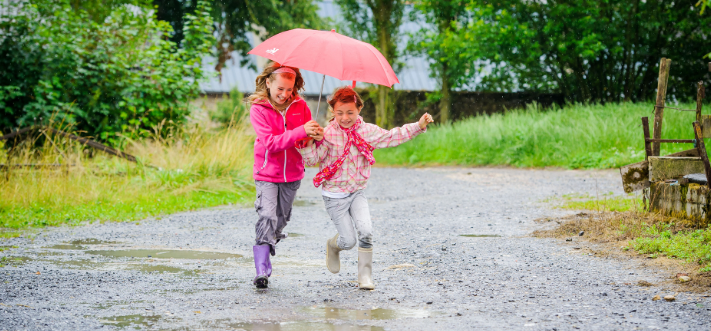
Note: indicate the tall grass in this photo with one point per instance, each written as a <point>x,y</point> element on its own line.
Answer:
<point>578,136</point>
<point>194,168</point>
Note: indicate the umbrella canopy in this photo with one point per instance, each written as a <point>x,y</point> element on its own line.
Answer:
<point>328,53</point>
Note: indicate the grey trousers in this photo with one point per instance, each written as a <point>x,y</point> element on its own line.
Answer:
<point>273,205</point>
<point>351,215</point>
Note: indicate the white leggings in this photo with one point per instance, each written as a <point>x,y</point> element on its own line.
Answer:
<point>349,213</point>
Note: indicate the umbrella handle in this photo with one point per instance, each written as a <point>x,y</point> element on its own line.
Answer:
<point>319,96</point>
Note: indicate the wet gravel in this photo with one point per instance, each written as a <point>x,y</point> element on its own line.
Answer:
<point>427,275</point>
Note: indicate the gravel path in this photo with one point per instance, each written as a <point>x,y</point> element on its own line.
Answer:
<point>427,276</point>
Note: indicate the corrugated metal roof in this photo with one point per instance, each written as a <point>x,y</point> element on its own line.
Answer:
<point>415,75</point>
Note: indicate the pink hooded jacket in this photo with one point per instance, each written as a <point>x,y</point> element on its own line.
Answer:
<point>276,159</point>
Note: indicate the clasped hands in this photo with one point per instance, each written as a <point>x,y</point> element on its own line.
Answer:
<point>313,130</point>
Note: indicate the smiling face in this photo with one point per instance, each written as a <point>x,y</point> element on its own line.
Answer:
<point>281,88</point>
<point>345,114</point>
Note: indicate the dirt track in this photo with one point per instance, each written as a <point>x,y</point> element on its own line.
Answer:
<point>428,276</point>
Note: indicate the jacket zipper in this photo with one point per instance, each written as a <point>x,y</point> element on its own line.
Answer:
<point>283,116</point>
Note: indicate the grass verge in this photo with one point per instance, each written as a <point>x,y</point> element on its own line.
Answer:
<point>620,221</point>
<point>577,136</point>
<point>196,168</point>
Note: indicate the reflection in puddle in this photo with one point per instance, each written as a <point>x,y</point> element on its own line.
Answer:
<point>92,241</point>
<point>304,203</point>
<point>79,244</point>
<point>367,314</point>
<point>93,265</point>
<point>159,268</point>
<point>136,321</point>
<point>303,326</point>
<point>67,246</point>
<point>13,260</point>
<point>292,234</point>
<point>166,254</point>
<point>480,235</point>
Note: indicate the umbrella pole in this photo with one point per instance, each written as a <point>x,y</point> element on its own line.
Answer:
<point>319,96</point>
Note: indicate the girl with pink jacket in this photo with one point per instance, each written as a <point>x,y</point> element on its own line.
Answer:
<point>281,120</point>
<point>344,150</point>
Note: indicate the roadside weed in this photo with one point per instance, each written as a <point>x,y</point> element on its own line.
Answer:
<point>574,137</point>
<point>194,169</point>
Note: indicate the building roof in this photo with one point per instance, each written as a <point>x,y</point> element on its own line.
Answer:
<point>415,75</point>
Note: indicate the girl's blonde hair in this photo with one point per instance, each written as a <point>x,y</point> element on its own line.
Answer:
<point>261,93</point>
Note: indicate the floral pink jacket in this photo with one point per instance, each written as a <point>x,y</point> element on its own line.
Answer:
<point>276,159</point>
<point>354,173</point>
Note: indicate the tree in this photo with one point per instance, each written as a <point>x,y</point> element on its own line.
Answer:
<point>591,51</point>
<point>378,23</point>
<point>451,58</point>
<point>235,19</point>
<point>117,74</point>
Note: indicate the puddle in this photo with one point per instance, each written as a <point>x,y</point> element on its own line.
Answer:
<point>80,244</point>
<point>304,203</point>
<point>303,326</point>
<point>160,269</point>
<point>13,260</point>
<point>5,247</point>
<point>480,235</point>
<point>292,234</point>
<point>135,321</point>
<point>92,241</point>
<point>94,265</point>
<point>79,264</point>
<point>167,254</point>
<point>366,314</point>
<point>66,246</point>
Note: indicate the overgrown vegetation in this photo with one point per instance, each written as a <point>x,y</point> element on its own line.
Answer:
<point>575,137</point>
<point>108,69</point>
<point>231,110</point>
<point>607,202</point>
<point>194,168</point>
<point>623,220</point>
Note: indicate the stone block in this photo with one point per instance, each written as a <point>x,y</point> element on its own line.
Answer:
<point>665,167</point>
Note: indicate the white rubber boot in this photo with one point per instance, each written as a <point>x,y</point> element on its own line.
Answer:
<point>365,269</point>
<point>333,256</point>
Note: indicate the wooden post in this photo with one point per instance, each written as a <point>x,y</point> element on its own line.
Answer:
<point>702,152</point>
<point>664,65</point>
<point>647,144</point>
<point>700,94</point>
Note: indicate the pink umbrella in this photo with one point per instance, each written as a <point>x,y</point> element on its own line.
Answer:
<point>328,53</point>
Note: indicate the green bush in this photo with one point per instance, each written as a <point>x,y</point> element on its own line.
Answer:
<point>116,74</point>
<point>230,110</point>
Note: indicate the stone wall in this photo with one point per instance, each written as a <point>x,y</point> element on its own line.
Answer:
<point>410,105</point>
<point>689,202</point>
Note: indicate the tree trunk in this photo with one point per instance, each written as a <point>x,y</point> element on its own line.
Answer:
<point>381,113</point>
<point>384,115</point>
<point>445,103</point>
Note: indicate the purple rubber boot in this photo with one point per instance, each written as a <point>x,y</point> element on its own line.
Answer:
<point>261,261</point>
<point>269,266</point>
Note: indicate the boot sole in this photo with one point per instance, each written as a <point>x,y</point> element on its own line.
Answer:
<point>261,282</point>
<point>366,287</point>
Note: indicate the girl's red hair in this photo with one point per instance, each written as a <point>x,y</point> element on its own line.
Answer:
<point>345,94</point>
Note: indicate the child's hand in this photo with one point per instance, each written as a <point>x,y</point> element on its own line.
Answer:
<point>311,128</point>
<point>319,135</point>
<point>424,120</point>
